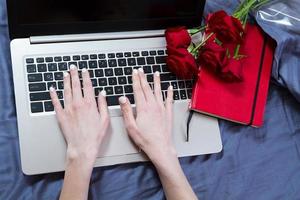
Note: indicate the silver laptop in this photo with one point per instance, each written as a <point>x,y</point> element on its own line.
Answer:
<point>110,38</point>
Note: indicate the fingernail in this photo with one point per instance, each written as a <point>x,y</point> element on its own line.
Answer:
<point>72,67</point>
<point>170,87</point>
<point>84,70</point>
<point>51,89</point>
<point>103,93</point>
<point>122,100</point>
<point>66,74</point>
<point>157,73</point>
<point>135,71</point>
<point>141,70</point>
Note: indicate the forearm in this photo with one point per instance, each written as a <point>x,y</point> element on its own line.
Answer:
<point>174,181</point>
<point>77,178</point>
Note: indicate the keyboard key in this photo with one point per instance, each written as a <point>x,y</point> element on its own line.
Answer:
<point>128,89</point>
<point>40,60</point>
<point>109,90</point>
<point>118,90</point>
<point>183,94</point>
<point>42,67</point>
<point>113,100</point>
<point>62,66</point>
<point>165,85</point>
<point>112,81</point>
<point>150,60</point>
<point>188,84</point>
<point>122,80</point>
<point>101,56</point>
<point>145,53</point>
<point>127,54</point>
<point>41,96</point>
<point>131,61</point>
<point>141,61</point>
<point>181,84</point>
<point>51,84</point>
<point>36,107</point>
<point>97,91</point>
<point>60,85</point>
<point>122,62</point>
<point>72,63</point>
<point>29,60</point>
<point>153,53</point>
<point>35,77</point>
<point>160,52</point>
<point>136,54</point>
<point>128,70</point>
<point>52,67</point>
<point>189,93</point>
<point>48,77</point>
<point>66,58</point>
<point>31,68</point>
<point>147,69</point>
<point>150,78</point>
<point>130,98</point>
<point>102,81</point>
<point>91,73</point>
<point>48,106</point>
<point>83,64</point>
<point>94,82</point>
<point>49,59</point>
<point>109,72</point>
<point>35,87</point>
<point>118,71</point>
<point>129,79</point>
<point>161,59</point>
<point>119,55</point>
<point>102,63</point>
<point>156,68</point>
<point>57,59</point>
<point>164,68</point>
<point>92,64</point>
<point>112,63</point>
<point>99,73</point>
<point>167,77</point>
<point>59,76</point>
<point>175,85</point>
<point>85,57</point>
<point>77,57</point>
<point>176,95</point>
<point>93,56</point>
<point>111,55</point>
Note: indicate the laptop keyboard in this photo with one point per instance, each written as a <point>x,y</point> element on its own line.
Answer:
<point>110,71</point>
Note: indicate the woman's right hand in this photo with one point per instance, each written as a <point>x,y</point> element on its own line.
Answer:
<point>151,130</point>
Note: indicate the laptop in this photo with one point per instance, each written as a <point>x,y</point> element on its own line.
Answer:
<point>110,38</point>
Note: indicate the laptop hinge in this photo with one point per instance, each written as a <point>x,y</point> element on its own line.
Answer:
<point>95,36</point>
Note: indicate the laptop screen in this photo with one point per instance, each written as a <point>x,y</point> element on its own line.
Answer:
<point>48,17</point>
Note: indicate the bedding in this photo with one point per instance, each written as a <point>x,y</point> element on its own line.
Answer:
<point>260,164</point>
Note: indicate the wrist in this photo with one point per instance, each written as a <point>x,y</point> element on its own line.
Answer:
<point>83,159</point>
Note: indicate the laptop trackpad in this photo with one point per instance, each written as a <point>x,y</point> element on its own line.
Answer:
<point>117,141</point>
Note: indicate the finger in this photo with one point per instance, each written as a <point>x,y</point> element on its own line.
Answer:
<point>55,101</point>
<point>67,89</point>
<point>169,106</point>
<point>76,87</point>
<point>102,104</point>
<point>129,120</point>
<point>145,86</point>
<point>88,90</point>
<point>137,90</point>
<point>157,88</point>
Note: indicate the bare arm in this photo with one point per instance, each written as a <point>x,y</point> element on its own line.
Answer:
<point>83,126</point>
<point>151,131</point>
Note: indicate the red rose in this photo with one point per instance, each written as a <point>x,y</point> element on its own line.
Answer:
<point>233,71</point>
<point>212,56</point>
<point>228,29</point>
<point>181,63</point>
<point>178,37</point>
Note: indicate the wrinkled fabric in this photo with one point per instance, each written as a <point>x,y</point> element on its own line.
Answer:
<point>260,164</point>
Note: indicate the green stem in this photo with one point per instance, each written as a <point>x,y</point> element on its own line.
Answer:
<point>201,44</point>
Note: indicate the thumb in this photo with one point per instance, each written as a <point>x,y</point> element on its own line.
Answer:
<point>129,120</point>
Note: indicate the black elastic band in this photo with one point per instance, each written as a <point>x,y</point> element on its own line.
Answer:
<point>188,125</point>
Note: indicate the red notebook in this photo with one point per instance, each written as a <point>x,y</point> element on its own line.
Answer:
<point>242,102</point>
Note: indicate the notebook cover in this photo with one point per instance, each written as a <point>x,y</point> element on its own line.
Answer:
<point>241,102</point>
